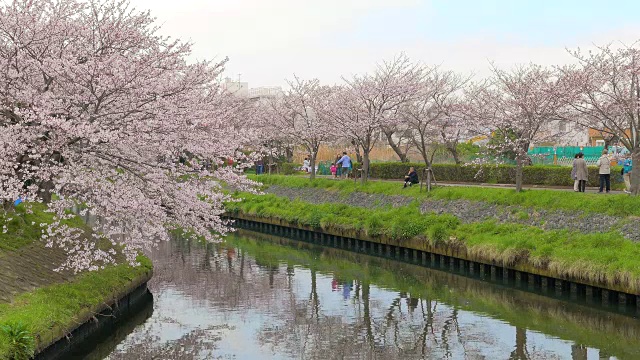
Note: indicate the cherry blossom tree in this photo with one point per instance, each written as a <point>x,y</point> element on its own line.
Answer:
<point>100,110</point>
<point>606,96</point>
<point>262,137</point>
<point>367,103</point>
<point>515,106</point>
<point>431,116</point>
<point>452,130</point>
<point>300,116</point>
<point>399,138</point>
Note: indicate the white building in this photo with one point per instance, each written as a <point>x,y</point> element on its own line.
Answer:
<point>240,89</point>
<point>266,92</point>
<point>563,133</point>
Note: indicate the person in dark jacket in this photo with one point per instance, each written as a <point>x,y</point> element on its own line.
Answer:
<point>411,178</point>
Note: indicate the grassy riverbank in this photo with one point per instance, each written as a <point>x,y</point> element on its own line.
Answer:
<point>619,204</point>
<point>44,304</point>
<point>606,258</point>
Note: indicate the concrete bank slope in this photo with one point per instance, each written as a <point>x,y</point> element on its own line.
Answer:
<point>60,308</point>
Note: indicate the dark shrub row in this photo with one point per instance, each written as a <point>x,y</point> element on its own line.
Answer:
<point>492,174</point>
<point>289,168</point>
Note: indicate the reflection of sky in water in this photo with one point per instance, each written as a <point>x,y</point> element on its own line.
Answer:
<point>177,313</point>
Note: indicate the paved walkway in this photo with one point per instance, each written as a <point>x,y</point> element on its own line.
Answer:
<point>484,185</point>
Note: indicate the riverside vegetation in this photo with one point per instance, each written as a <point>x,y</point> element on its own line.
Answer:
<point>606,257</point>
<point>51,304</point>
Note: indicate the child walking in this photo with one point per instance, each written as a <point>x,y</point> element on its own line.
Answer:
<point>334,170</point>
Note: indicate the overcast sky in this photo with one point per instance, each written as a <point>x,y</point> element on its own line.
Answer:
<point>268,41</point>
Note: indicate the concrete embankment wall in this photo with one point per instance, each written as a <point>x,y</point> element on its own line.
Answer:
<point>451,257</point>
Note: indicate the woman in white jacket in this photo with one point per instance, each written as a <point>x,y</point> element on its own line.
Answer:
<point>605,171</point>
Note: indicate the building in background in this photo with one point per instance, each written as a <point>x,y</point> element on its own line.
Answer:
<point>242,90</point>
<point>265,92</point>
<point>562,133</point>
<point>602,138</point>
<point>238,88</point>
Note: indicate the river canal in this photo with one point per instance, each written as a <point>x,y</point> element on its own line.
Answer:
<point>263,297</point>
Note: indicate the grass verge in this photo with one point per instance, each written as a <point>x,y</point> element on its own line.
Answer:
<point>618,204</point>
<point>23,227</point>
<point>51,312</point>
<point>607,259</point>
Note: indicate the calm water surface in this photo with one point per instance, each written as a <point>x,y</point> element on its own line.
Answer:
<point>263,297</point>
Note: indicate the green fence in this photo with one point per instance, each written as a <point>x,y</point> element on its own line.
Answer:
<point>544,155</point>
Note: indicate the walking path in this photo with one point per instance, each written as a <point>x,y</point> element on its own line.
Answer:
<point>483,185</point>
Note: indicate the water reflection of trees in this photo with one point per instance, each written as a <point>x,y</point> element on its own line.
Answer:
<point>196,344</point>
<point>301,325</point>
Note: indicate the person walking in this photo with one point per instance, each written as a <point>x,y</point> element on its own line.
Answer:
<point>345,161</point>
<point>306,165</point>
<point>627,167</point>
<point>582,172</point>
<point>339,169</point>
<point>573,174</point>
<point>605,171</point>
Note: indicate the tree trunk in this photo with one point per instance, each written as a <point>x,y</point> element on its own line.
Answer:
<point>312,163</point>
<point>396,148</point>
<point>425,157</point>
<point>46,191</point>
<point>520,352</point>
<point>367,311</point>
<point>313,150</point>
<point>358,155</point>
<point>519,173</point>
<point>454,152</point>
<point>635,173</point>
<point>315,301</point>
<point>365,166</point>
<point>289,153</point>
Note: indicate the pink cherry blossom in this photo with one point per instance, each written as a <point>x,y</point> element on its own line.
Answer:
<point>104,112</point>
<point>367,103</point>
<point>516,105</point>
<point>299,116</point>
<point>605,95</point>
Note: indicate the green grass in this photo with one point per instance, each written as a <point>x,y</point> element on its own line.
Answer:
<point>400,222</point>
<point>591,203</point>
<point>606,257</point>
<point>24,227</point>
<point>49,312</point>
